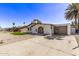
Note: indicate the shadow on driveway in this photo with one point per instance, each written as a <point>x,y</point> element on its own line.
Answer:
<point>58,37</point>
<point>77,40</point>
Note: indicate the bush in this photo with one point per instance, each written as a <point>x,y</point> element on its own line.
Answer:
<point>14,29</point>
<point>18,33</point>
<point>1,42</point>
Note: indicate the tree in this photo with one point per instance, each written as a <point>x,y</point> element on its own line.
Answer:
<point>13,28</point>
<point>13,24</point>
<point>24,23</point>
<point>71,13</point>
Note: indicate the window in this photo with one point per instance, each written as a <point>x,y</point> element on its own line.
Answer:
<point>29,29</point>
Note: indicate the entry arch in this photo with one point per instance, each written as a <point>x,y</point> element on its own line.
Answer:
<point>40,30</point>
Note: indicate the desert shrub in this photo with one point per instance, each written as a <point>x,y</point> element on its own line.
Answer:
<point>1,42</point>
<point>14,29</point>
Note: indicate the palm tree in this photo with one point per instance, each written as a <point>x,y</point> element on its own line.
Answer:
<point>13,29</point>
<point>24,23</point>
<point>72,13</point>
<point>13,24</point>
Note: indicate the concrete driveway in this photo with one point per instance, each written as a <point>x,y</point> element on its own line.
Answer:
<point>39,46</point>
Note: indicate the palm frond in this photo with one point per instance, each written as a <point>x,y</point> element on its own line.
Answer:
<point>71,12</point>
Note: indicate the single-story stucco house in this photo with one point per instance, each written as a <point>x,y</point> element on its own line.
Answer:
<point>38,27</point>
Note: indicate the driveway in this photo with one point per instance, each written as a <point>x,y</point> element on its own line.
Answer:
<point>39,46</point>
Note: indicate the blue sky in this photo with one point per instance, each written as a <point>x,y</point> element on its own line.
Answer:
<point>26,12</point>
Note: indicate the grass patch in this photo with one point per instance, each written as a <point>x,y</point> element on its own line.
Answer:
<point>18,33</point>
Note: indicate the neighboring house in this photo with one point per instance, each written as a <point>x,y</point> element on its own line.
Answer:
<point>23,29</point>
<point>1,29</point>
<point>38,27</point>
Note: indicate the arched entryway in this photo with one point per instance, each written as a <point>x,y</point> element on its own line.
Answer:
<point>40,30</point>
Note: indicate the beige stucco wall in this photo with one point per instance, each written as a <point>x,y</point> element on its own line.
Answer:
<point>35,28</point>
<point>24,30</point>
<point>68,29</point>
<point>47,29</point>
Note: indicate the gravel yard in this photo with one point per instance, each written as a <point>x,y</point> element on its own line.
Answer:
<point>7,37</point>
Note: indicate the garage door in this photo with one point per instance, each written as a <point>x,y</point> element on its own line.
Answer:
<point>60,29</point>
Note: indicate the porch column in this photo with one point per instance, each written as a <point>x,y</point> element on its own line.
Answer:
<point>68,29</point>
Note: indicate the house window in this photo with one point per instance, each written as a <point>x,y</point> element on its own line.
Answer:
<point>29,29</point>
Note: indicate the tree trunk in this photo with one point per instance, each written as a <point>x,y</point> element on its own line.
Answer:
<point>76,27</point>
<point>75,20</point>
<point>51,30</point>
<point>78,23</point>
<point>77,7</point>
